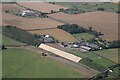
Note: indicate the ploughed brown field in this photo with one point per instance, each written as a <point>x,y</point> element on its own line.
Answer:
<point>11,7</point>
<point>41,6</point>
<point>29,23</point>
<point>57,34</point>
<point>105,22</point>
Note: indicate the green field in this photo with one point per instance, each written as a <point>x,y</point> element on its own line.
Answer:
<point>8,41</point>
<point>111,54</point>
<point>93,60</point>
<point>96,59</point>
<point>20,63</point>
<point>110,7</point>
<point>0,65</point>
<point>84,36</point>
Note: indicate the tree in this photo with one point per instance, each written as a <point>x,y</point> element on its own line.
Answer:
<point>100,9</point>
<point>117,11</point>
<point>52,11</point>
<point>61,9</point>
<point>90,28</point>
<point>115,44</point>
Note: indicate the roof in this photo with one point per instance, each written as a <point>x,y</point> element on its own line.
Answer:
<point>60,53</point>
<point>85,47</point>
<point>25,11</point>
<point>93,45</point>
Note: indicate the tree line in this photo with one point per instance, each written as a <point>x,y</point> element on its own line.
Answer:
<point>20,35</point>
<point>74,29</point>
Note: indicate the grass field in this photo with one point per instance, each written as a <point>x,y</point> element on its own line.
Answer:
<point>110,7</point>
<point>111,54</point>
<point>58,34</point>
<point>98,62</point>
<point>84,36</point>
<point>9,41</point>
<point>97,59</point>
<point>20,63</point>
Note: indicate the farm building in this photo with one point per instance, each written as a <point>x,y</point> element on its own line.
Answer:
<point>85,48</point>
<point>93,46</point>
<point>60,53</point>
<point>47,38</point>
<point>27,12</point>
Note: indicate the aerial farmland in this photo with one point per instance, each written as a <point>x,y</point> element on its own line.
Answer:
<point>11,7</point>
<point>38,23</point>
<point>99,20</point>
<point>59,34</point>
<point>41,6</point>
<point>60,40</point>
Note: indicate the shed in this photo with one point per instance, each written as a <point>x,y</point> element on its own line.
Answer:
<point>85,47</point>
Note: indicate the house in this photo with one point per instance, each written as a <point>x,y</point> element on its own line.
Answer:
<point>27,12</point>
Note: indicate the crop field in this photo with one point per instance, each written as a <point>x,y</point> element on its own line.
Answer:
<point>41,6</point>
<point>21,63</point>
<point>58,34</point>
<point>111,54</point>
<point>104,22</point>
<point>29,23</point>
<point>11,7</point>
<point>84,36</point>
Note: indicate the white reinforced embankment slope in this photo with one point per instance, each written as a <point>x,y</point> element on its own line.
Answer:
<point>60,53</point>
